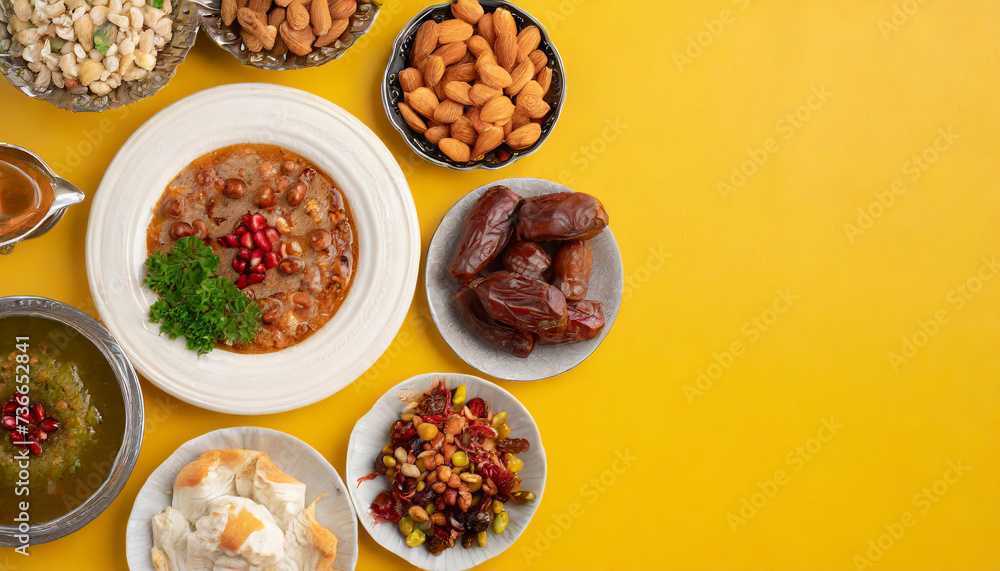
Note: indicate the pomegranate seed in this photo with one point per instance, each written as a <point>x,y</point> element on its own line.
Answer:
<point>9,423</point>
<point>15,438</point>
<point>26,415</point>
<point>241,282</point>
<point>35,448</point>
<point>243,254</point>
<point>230,241</point>
<point>49,425</point>
<point>9,407</point>
<point>246,240</point>
<point>258,269</point>
<point>246,219</point>
<point>261,241</point>
<point>257,222</point>
<point>256,278</point>
<point>239,265</point>
<point>241,230</point>
<point>271,259</point>
<point>272,235</point>
<point>37,412</point>
<point>42,436</point>
<point>256,256</point>
<point>32,433</point>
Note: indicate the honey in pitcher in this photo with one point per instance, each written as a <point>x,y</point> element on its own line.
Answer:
<point>25,196</point>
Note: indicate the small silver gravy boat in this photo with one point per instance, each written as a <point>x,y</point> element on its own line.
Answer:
<point>66,195</point>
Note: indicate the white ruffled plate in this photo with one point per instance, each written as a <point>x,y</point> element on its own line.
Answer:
<point>298,459</point>
<point>606,284</point>
<point>388,242</point>
<point>371,434</point>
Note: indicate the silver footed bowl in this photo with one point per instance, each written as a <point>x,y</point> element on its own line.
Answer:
<point>15,69</point>
<point>228,38</point>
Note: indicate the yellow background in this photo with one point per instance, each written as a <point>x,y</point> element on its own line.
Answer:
<point>699,267</point>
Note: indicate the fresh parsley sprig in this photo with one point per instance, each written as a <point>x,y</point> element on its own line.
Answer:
<point>195,303</point>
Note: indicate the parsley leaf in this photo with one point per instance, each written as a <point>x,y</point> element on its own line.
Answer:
<point>195,303</point>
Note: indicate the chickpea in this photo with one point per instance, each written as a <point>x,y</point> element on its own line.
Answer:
<point>266,198</point>
<point>235,188</point>
<point>439,487</point>
<point>267,170</point>
<point>418,514</point>
<point>427,431</point>
<point>200,228</point>
<point>172,208</point>
<point>288,167</point>
<point>296,194</point>
<point>320,240</point>
<point>181,230</point>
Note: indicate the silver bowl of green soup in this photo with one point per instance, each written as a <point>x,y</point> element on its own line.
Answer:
<point>72,420</point>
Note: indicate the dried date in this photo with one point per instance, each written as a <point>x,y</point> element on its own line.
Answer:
<point>561,216</point>
<point>572,269</point>
<point>527,258</point>
<point>486,328</point>
<point>486,232</point>
<point>585,319</point>
<point>523,302</point>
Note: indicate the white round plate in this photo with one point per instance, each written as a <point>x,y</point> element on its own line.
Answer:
<point>301,461</point>
<point>606,282</point>
<point>371,433</point>
<point>388,243</point>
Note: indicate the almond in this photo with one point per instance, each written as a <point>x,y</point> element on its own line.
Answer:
<point>481,93</point>
<point>299,42</point>
<point>434,70</point>
<point>467,10</point>
<point>435,134</point>
<point>297,15</point>
<point>497,110</point>
<point>455,150</point>
<point>412,119</point>
<point>228,11</point>
<point>463,130</point>
<point>538,58</point>
<point>503,21</point>
<point>524,137</point>
<point>506,51</point>
<point>487,141</point>
<point>495,76</point>
<point>319,17</point>
<point>532,106</point>
<point>453,31</point>
<point>477,123</point>
<point>449,111</point>
<point>477,45</point>
<point>463,72</point>
<point>532,88</point>
<point>452,53</point>
<point>458,91</point>
<point>544,79</point>
<point>343,8</point>
<point>337,28</point>
<point>519,119</point>
<point>410,79</point>
<point>424,42</point>
<point>423,101</point>
<point>485,28</point>
<point>528,39</point>
<point>486,58</point>
<point>276,17</point>
<point>255,23</point>
<point>250,40</point>
<point>521,76</point>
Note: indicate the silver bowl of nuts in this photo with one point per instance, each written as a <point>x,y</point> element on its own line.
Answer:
<point>287,34</point>
<point>474,84</point>
<point>94,55</point>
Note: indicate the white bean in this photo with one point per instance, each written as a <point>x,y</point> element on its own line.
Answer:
<point>96,55</point>
<point>111,63</point>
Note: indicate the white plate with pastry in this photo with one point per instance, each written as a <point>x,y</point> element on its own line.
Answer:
<point>243,496</point>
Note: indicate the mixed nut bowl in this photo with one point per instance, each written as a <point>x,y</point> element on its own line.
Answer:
<point>254,249</point>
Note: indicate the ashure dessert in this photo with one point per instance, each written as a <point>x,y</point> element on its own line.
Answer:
<point>66,423</point>
<point>451,466</point>
<point>89,46</point>
<point>476,82</point>
<point>281,232</point>
<point>524,268</point>
<point>234,509</point>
